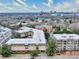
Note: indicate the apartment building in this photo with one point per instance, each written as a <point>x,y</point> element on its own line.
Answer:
<point>5,34</point>
<point>67,42</point>
<point>29,39</point>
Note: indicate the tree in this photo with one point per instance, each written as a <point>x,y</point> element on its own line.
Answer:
<point>0,51</point>
<point>32,25</point>
<point>20,25</point>
<point>63,31</point>
<point>70,21</point>
<point>51,48</point>
<point>47,35</point>
<point>5,51</point>
<point>58,28</point>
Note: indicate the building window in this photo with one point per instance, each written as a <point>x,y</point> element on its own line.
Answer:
<point>26,35</point>
<point>78,42</point>
<point>74,47</point>
<point>26,47</point>
<point>37,47</point>
<point>65,42</point>
<point>30,34</point>
<point>22,35</point>
<point>64,48</point>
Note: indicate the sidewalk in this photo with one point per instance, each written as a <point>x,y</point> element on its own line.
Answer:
<point>42,56</point>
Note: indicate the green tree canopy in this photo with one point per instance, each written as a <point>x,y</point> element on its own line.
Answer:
<point>5,51</point>
<point>51,48</point>
<point>47,35</point>
<point>57,31</point>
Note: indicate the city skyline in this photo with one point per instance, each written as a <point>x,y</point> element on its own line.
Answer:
<point>39,5</point>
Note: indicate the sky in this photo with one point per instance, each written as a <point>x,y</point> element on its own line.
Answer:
<point>39,5</point>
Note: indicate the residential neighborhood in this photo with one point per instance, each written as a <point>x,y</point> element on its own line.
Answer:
<point>38,35</point>
<point>39,29</point>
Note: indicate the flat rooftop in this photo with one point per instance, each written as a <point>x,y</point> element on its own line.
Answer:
<point>66,36</point>
<point>38,37</point>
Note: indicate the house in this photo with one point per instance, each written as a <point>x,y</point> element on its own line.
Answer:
<point>67,42</point>
<point>42,27</point>
<point>29,39</point>
<point>5,35</point>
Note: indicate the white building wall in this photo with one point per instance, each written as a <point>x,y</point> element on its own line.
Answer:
<point>5,34</point>
<point>72,45</point>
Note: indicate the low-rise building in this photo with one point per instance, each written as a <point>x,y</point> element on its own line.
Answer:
<point>67,42</point>
<point>5,34</point>
<point>42,27</point>
<point>30,39</point>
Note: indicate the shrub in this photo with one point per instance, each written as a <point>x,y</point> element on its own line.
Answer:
<point>5,51</point>
<point>0,51</point>
<point>51,50</point>
<point>34,53</point>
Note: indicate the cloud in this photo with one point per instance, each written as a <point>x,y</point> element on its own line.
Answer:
<point>19,6</point>
<point>21,2</point>
<point>50,2</point>
<point>22,6</point>
<point>77,1</point>
<point>15,7</point>
<point>34,6</point>
<point>63,7</point>
<point>4,8</point>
